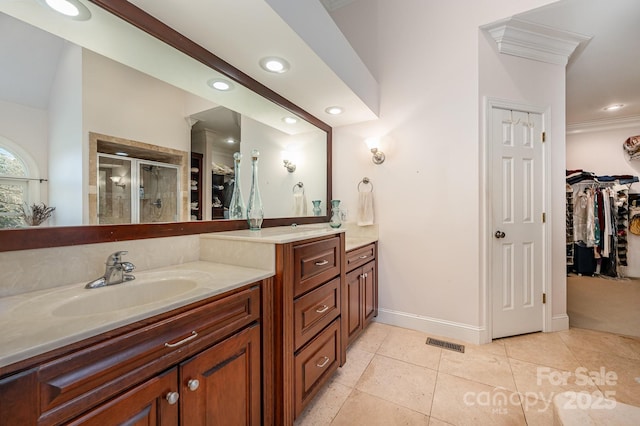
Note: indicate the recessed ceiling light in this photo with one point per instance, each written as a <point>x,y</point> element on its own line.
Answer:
<point>220,84</point>
<point>73,9</point>
<point>274,64</point>
<point>121,153</point>
<point>290,120</point>
<point>613,107</point>
<point>333,110</point>
<point>230,140</point>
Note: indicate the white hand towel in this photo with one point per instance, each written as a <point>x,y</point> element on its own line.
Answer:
<point>299,204</point>
<point>365,208</point>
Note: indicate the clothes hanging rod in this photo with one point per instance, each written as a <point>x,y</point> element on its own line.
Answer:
<point>23,179</point>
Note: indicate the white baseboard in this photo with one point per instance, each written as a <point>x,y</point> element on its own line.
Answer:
<point>450,329</point>
<point>560,322</point>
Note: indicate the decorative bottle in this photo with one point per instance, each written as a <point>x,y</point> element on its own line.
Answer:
<point>316,207</point>
<point>335,221</point>
<point>255,211</point>
<point>236,206</point>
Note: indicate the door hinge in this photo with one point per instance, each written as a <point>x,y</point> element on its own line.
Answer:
<point>544,136</point>
<point>544,298</point>
<point>544,217</point>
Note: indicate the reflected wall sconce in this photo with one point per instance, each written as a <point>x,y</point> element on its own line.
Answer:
<point>374,144</point>
<point>288,161</point>
<point>117,181</point>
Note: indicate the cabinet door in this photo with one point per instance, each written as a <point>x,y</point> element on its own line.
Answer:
<point>228,387</point>
<point>370,293</point>
<point>146,404</point>
<point>354,303</point>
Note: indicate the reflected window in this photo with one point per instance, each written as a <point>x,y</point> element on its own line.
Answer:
<point>14,187</point>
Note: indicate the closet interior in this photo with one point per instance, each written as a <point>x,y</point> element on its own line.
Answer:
<point>597,218</point>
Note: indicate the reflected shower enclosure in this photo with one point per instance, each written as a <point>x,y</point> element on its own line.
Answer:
<point>136,191</point>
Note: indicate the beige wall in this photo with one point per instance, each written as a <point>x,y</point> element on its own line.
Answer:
<point>434,67</point>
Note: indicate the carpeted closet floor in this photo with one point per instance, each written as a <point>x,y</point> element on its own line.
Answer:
<point>604,304</point>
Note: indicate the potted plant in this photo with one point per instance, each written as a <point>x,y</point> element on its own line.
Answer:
<point>35,214</point>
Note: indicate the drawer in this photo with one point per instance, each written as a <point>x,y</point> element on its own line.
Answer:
<point>315,364</point>
<point>100,371</point>
<point>315,263</point>
<point>360,256</point>
<point>314,311</point>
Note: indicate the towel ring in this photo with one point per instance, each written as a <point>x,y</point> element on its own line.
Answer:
<point>366,181</point>
<point>298,185</point>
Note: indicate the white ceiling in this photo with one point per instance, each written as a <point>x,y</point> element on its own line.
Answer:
<point>243,32</point>
<point>607,70</point>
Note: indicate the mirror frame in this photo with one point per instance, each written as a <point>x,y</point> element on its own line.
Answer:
<point>34,238</point>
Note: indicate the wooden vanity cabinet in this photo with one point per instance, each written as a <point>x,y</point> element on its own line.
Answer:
<point>196,365</point>
<point>362,290</point>
<point>308,300</point>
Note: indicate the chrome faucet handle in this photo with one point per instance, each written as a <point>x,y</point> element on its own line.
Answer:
<point>128,266</point>
<point>115,258</point>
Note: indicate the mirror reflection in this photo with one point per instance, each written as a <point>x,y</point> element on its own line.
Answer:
<point>108,143</point>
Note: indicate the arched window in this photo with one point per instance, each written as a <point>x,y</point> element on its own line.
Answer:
<point>19,182</point>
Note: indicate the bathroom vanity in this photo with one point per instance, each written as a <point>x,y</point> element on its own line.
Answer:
<point>179,366</point>
<point>215,341</point>
<point>362,289</point>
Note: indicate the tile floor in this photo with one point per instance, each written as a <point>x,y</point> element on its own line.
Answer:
<point>393,378</point>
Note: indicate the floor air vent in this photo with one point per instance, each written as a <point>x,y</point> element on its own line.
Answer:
<point>445,345</point>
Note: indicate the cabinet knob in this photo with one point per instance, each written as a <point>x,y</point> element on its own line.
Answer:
<point>172,397</point>
<point>193,384</point>
<point>366,275</point>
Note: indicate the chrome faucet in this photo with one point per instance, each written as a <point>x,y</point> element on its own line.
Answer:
<point>116,272</point>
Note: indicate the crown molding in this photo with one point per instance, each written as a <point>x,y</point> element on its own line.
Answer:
<point>534,41</point>
<point>603,125</point>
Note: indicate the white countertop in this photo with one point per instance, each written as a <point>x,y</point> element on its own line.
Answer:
<point>37,322</point>
<point>357,242</point>
<point>277,235</point>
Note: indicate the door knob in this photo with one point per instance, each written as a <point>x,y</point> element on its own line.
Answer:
<point>499,234</point>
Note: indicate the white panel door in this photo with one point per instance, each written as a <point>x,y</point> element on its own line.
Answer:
<point>518,230</point>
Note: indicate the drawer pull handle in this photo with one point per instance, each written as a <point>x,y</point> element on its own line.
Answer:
<point>183,341</point>
<point>322,309</point>
<point>322,263</point>
<point>193,384</point>
<point>364,256</point>
<point>172,397</point>
<point>324,362</point>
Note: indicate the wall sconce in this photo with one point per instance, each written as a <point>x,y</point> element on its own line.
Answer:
<point>288,161</point>
<point>378,156</point>
<point>117,181</point>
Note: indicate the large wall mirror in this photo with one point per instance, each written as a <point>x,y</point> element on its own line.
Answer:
<point>129,137</point>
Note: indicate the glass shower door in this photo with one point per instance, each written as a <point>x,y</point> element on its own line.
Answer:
<point>114,190</point>
<point>158,192</point>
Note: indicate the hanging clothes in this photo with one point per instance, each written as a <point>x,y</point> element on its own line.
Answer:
<point>598,217</point>
<point>584,214</point>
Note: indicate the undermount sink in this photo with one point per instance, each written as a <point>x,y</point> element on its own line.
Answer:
<point>124,296</point>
